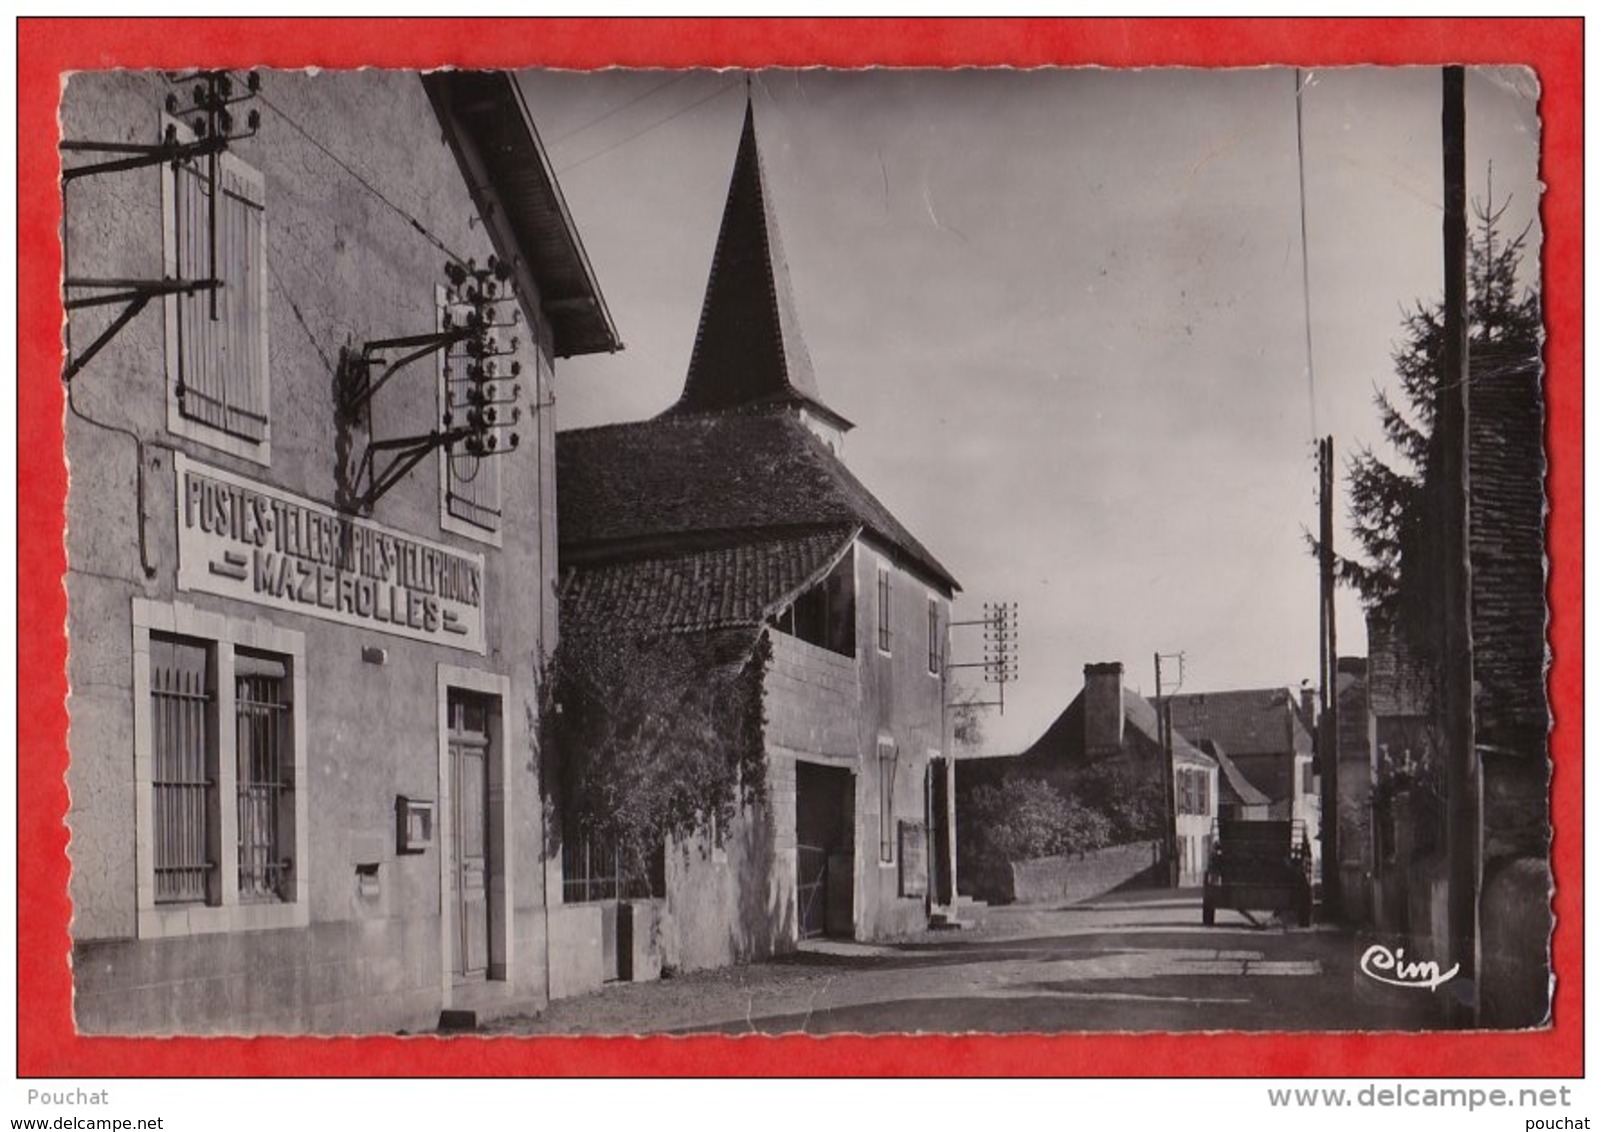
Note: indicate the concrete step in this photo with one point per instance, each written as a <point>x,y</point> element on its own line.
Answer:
<point>947,919</point>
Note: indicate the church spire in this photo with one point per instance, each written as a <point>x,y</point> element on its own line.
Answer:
<point>748,348</point>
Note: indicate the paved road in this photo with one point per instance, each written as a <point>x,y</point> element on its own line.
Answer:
<point>1139,961</point>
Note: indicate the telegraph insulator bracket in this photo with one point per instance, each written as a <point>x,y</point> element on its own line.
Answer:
<point>480,310</point>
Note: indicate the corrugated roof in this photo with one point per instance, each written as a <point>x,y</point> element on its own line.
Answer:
<point>709,588</point>
<point>507,170</point>
<point>665,485</point>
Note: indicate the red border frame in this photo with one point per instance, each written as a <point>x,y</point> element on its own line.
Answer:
<point>46,48</point>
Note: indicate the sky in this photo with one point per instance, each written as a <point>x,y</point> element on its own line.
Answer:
<point>1065,309</point>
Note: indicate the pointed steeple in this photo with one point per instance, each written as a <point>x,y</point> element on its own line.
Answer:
<point>748,348</point>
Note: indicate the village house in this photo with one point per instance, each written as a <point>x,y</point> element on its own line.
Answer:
<point>1109,735</point>
<point>731,522</point>
<point>1267,735</point>
<point>1237,798</point>
<point>310,544</point>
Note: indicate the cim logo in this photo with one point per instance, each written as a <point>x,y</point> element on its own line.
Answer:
<point>1390,966</point>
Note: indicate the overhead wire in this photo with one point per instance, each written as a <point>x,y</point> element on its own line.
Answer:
<point>1306,273</point>
<point>677,78</point>
<point>421,228</point>
<point>721,89</point>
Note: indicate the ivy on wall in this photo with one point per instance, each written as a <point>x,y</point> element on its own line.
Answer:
<point>655,738</point>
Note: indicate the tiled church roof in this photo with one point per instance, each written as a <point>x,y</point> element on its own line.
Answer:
<point>712,588</point>
<point>630,489</point>
<point>721,511</point>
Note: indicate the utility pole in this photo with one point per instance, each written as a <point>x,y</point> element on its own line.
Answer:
<point>1464,815</point>
<point>1164,737</point>
<point>1000,649</point>
<point>1328,729</point>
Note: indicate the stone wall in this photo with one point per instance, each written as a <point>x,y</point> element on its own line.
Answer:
<point>1084,876</point>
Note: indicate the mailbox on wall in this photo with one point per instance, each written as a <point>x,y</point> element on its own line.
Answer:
<point>414,824</point>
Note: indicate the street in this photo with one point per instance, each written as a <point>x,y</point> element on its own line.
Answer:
<point>1134,961</point>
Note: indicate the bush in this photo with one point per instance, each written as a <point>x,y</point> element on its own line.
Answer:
<point>1132,803</point>
<point>1024,818</point>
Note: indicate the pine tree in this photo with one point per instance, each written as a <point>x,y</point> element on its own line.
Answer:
<point>1386,504</point>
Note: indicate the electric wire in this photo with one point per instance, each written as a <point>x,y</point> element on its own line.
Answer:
<point>678,78</point>
<point>362,181</point>
<point>1306,274</point>
<point>723,88</point>
<point>139,473</point>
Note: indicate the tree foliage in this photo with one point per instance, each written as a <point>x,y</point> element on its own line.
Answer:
<point>967,717</point>
<point>1386,504</point>
<point>1133,803</point>
<point>656,739</point>
<point>1022,818</point>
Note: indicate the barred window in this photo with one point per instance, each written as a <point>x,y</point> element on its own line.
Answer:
<point>218,749</point>
<point>217,347</point>
<point>933,637</point>
<point>183,771</point>
<point>266,774</point>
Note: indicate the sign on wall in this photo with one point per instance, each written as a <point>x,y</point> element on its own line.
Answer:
<point>251,542</point>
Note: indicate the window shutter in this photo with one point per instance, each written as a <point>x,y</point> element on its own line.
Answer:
<point>222,372</point>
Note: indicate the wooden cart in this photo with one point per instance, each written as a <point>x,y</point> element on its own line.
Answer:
<point>1259,866</point>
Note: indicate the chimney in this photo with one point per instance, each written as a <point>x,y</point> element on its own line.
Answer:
<point>1308,704</point>
<point>1103,707</point>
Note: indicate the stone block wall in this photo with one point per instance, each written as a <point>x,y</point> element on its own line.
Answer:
<point>1084,876</point>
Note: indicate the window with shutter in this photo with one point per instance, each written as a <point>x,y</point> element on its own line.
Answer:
<point>217,340</point>
<point>883,610</point>
<point>886,800</point>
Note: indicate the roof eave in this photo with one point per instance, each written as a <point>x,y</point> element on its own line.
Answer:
<point>562,276</point>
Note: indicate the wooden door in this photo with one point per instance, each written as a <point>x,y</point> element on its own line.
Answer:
<point>469,760</point>
<point>939,849</point>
